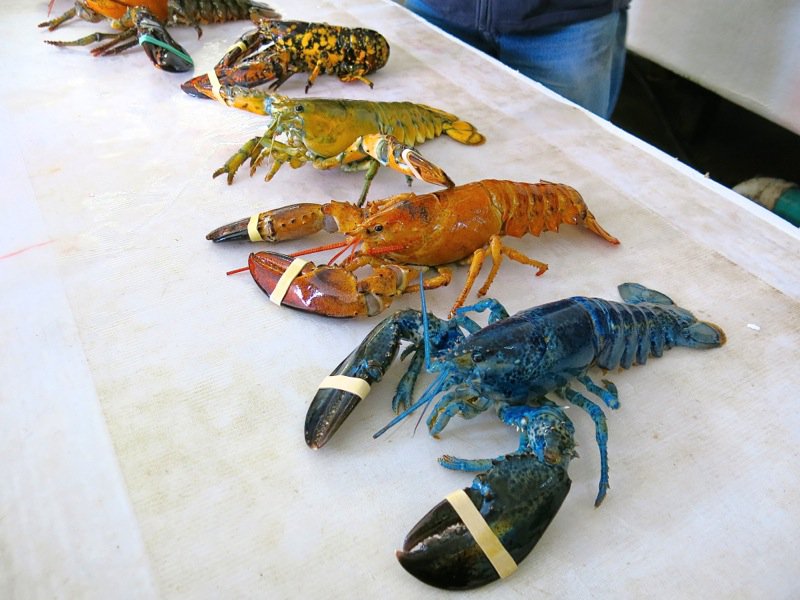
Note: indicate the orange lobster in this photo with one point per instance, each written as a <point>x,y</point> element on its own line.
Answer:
<point>403,235</point>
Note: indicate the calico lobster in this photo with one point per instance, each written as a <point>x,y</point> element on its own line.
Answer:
<point>404,234</point>
<point>145,22</point>
<point>354,135</point>
<point>511,365</point>
<point>276,50</point>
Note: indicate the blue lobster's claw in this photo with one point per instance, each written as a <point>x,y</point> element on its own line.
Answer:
<point>518,498</point>
<point>367,363</point>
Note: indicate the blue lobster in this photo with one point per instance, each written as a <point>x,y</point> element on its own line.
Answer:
<point>511,364</point>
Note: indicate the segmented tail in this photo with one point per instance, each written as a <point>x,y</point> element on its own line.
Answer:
<point>697,334</point>
<point>460,131</point>
<point>464,132</point>
<point>647,324</point>
<point>204,12</point>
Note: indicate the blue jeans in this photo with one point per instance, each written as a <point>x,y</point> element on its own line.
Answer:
<point>583,62</point>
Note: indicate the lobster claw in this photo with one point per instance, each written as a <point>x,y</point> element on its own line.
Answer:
<point>162,50</point>
<point>517,498</point>
<point>330,291</point>
<point>285,223</point>
<point>390,152</point>
<point>199,87</point>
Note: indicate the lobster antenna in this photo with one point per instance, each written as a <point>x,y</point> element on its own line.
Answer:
<point>425,328</point>
<point>239,270</point>
<point>315,249</point>
<point>351,244</point>
<point>433,389</point>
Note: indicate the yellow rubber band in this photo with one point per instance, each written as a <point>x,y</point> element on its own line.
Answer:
<point>404,154</point>
<point>215,85</point>
<point>239,44</point>
<point>276,297</point>
<point>252,229</point>
<point>501,560</point>
<point>354,385</point>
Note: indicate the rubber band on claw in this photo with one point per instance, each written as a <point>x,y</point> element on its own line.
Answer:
<point>149,39</point>
<point>292,271</point>
<point>354,385</point>
<point>486,539</point>
<point>215,85</point>
<point>252,229</point>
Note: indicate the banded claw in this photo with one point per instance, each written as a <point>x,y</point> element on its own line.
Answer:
<point>331,291</point>
<point>518,498</point>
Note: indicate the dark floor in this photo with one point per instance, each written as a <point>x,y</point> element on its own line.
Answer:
<point>702,129</point>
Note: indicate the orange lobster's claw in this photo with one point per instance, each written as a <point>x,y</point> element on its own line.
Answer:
<point>322,290</point>
<point>278,225</point>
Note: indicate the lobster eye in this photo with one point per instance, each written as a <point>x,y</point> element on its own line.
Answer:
<point>299,108</point>
<point>477,357</point>
<point>377,228</point>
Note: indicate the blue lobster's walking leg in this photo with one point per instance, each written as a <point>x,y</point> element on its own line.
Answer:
<point>544,431</point>
<point>471,465</point>
<point>463,400</point>
<point>601,434</point>
<point>608,393</point>
<point>405,388</point>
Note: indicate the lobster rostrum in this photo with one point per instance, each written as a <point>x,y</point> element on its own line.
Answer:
<point>400,236</point>
<point>145,22</point>
<point>511,364</point>
<point>276,50</point>
<point>353,135</point>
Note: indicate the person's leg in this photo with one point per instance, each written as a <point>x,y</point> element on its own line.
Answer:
<point>618,62</point>
<point>583,61</point>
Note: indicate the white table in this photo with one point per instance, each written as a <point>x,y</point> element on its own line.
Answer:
<point>151,409</point>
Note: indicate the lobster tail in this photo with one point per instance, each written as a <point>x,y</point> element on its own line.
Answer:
<point>192,12</point>
<point>703,335</point>
<point>464,132</point>
<point>696,334</point>
<point>647,323</point>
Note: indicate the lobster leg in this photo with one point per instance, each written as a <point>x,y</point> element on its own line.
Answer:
<point>601,435</point>
<point>607,394</point>
<point>234,162</point>
<point>91,39</point>
<point>497,249</point>
<point>544,430</point>
<point>462,400</point>
<point>58,21</point>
